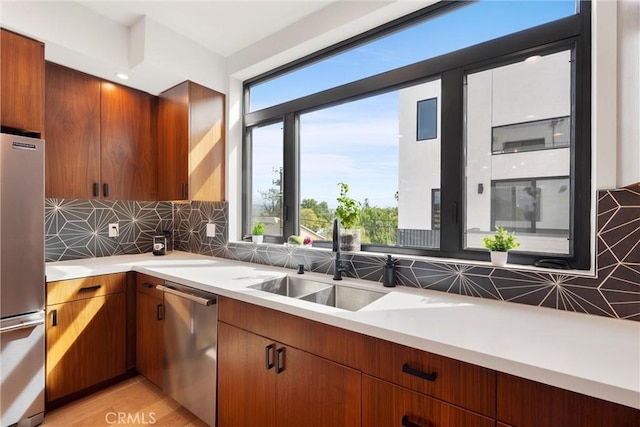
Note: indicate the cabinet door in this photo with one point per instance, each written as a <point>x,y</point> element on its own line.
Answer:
<point>149,337</point>
<point>246,379</point>
<point>313,391</point>
<point>173,143</point>
<point>526,403</point>
<point>72,128</point>
<point>207,144</point>
<point>128,157</point>
<point>86,343</point>
<point>22,87</point>
<point>385,404</point>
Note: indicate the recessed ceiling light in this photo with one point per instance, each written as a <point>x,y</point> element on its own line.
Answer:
<point>533,59</point>
<point>122,76</point>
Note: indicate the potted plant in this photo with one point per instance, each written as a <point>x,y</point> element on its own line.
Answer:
<point>348,211</point>
<point>257,232</point>
<point>499,244</point>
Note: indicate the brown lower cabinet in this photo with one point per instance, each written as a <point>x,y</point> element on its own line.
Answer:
<point>85,333</point>
<point>525,403</point>
<point>149,328</point>
<point>385,404</point>
<point>267,383</point>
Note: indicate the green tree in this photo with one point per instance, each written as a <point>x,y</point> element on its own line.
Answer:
<point>380,225</point>
<point>310,219</point>
<point>321,209</point>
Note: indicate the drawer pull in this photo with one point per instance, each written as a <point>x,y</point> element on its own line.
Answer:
<point>279,360</point>
<point>407,423</point>
<point>147,285</point>
<point>268,350</point>
<point>90,288</point>
<point>416,373</point>
<point>159,312</point>
<point>54,317</point>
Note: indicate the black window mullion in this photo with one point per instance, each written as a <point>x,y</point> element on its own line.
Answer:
<point>291,159</point>
<point>452,163</point>
<point>246,179</point>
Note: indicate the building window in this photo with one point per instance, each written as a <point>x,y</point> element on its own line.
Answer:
<point>435,209</point>
<point>427,119</point>
<point>531,136</point>
<point>360,126</point>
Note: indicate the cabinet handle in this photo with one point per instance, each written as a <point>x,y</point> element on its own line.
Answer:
<point>105,190</point>
<point>268,350</point>
<point>407,423</point>
<point>279,360</point>
<point>96,189</point>
<point>184,190</point>
<point>159,312</point>
<point>147,285</point>
<point>416,373</point>
<point>90,288</point>
<point>54,317</point>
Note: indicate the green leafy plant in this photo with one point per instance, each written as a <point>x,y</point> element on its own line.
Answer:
<point>257,229</point>
<point>501,241</point>
<point>348,209</point>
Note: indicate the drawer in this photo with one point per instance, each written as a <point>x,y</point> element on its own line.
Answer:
<point>147,285</point>
<point>329,342</point>
<point>86,287</point>
<point>463,384</point>
<point>525,403</point>
<point>385,404</point>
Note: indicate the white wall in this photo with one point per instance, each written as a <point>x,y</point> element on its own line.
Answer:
<point>155,57</point>
<point>419,161</point>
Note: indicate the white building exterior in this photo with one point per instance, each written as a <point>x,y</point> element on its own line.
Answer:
<point>535,90</point>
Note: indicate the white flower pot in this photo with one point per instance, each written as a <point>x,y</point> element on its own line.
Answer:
<point>499,258</point>
<point>255,238</point>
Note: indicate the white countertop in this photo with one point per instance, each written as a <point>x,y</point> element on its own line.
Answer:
<point>588,354</point>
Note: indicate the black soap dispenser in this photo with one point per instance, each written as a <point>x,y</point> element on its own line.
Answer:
<point>389,272</point>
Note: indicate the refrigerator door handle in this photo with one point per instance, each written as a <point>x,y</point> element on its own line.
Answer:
<point>22,325</point>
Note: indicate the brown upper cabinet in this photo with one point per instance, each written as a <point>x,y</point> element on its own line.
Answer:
<point>191,143</point>
<point>22,83</point>
<point>99,138</point>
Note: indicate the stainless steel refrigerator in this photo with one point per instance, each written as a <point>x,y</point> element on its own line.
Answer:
<point>22,280</point>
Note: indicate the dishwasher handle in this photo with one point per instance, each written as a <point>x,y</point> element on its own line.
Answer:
<point>194,298</point>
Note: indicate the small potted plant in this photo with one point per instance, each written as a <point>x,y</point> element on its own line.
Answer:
<point>257,232</point>
<point>499,244</point>
<point>348,211</point>
<point>307,242</point>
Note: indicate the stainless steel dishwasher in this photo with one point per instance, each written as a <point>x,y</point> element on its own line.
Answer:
<point>190,349</point>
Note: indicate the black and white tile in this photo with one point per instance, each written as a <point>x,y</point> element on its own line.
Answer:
<point>77,229</point>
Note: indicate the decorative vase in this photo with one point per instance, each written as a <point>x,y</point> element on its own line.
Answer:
<point>350,239</point>
<point>257,238</point>
<point>499,258</point>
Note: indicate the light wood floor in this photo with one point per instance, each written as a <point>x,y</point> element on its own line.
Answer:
<point>134,402</point>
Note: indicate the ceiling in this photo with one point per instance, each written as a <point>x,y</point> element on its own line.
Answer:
<point>162,43</point>
<point>223,27</point>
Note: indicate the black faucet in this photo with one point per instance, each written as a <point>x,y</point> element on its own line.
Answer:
<point>338,268</point>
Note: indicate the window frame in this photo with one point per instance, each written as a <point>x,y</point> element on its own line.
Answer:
<point>573,31</point>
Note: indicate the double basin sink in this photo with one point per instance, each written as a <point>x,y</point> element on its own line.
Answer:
<point>339,296</point>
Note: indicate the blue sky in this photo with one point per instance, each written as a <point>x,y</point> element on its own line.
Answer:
<point>357,143</point>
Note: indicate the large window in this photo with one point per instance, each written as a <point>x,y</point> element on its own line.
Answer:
<point>487,126</point>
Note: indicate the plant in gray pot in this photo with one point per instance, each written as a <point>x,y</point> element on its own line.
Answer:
<point>348,212</point>
<point>499,244</point>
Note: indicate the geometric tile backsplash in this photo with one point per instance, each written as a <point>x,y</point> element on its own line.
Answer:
<point>78,229</point>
